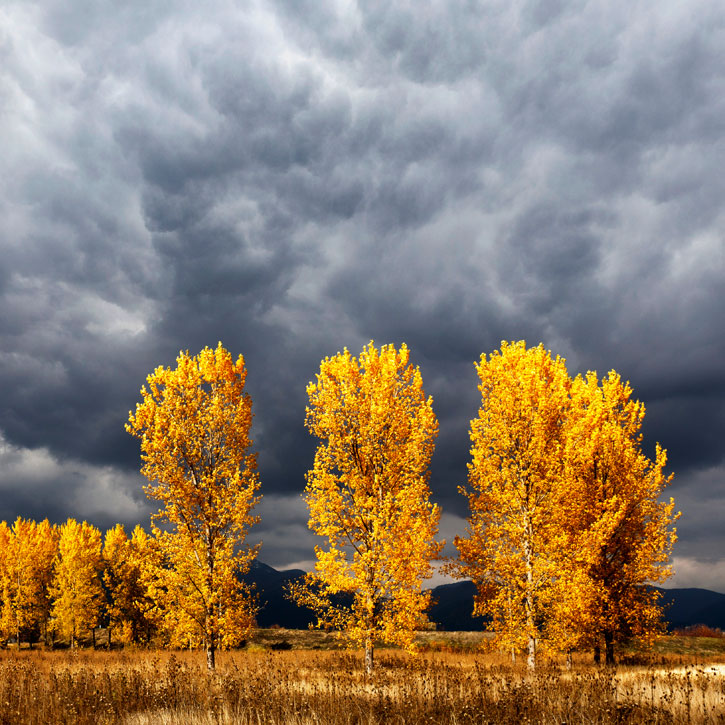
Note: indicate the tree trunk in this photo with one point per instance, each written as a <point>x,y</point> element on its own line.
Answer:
<point>210,639</point>
<point>211,621</point>
<point>369,657</point>
<point>569,659</point>
<point>529,598</point>
<point>597,654</point>
<point>210,656</point>
<point>93,636</point>
<point>531,653</point>
<point>609,648</point>
<point>513,655</point>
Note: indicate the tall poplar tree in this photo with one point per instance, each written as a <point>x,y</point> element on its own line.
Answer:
<point>512,551</point>
<point>368,495</point>
<point>194,424</point>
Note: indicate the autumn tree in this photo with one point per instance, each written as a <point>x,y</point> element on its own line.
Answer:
<point>512,550</point>
<point>368,495</point>
<point>5,548</point>
<point>619,535</point>
<point>194,423</point>
<point>29,550</point>
<point>129,607</point>
<point>146,608</point>
<point>78,596</point>
<point>44,552</point>
<point>117,578</point>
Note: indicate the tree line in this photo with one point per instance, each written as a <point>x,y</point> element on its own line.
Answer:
<point>64,581</point>
<point>566,525</point>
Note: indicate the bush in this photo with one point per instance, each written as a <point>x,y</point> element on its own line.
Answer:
<point>699,630</point>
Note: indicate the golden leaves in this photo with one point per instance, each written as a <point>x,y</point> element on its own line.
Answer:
<point>27,553</point>
<point>78,593</point>
<point>566,522</point>
<point>565,525</point>
<point>368,494</point>
<point>194,423</point>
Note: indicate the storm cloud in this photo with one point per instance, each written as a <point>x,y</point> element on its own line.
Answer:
<point>295,177</point>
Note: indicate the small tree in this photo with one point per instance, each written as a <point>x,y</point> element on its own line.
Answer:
<point>128,599</point>
<point>77,590</point>
<point>117,582</point>
<point>194,424</point>
<point>368,496</point>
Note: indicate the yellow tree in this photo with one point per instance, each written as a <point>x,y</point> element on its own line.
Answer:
<point>45,551</point>
<point>194,424</point>
<point>513,548</point>
<point>146,615</point>
<point>5,558</point>
<point>618,532</point>
<point>77,590</point>
<point>30,549</point>
<point>368,495</point>
<point>129,606</point>
<point>118,581</point>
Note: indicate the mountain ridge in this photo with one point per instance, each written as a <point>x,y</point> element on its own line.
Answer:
<point>452,609</point>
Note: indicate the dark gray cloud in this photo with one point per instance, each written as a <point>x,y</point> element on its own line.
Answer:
<point>295,177</point>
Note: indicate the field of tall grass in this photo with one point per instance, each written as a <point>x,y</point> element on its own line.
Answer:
<point>275,681</point>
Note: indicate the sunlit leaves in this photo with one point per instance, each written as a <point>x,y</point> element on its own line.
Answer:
<point>512,550</point>
<point>27,553</point>
<point>194,425</point>
<point>618,532</point>
<point>368,495</point>
<point>566,526</point>
<point>78,596</point>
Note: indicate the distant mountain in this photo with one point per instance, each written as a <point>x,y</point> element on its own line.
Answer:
<point>685,607</point>
<point>274,607</point>
<point>452,609</point>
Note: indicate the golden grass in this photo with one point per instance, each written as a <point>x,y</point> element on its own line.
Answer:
<point>301,687</point>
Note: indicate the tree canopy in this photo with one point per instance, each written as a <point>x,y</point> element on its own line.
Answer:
<point>368,495</point>
<point>194,424</point>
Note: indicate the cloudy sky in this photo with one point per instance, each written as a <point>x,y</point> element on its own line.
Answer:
<point>291,177</point>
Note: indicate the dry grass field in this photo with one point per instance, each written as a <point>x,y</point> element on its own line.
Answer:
<point>298,678</point>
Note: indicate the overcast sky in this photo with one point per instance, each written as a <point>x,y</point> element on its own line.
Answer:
<point>298,176</point>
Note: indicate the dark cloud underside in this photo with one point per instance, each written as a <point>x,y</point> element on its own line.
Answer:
<point>294,177</point>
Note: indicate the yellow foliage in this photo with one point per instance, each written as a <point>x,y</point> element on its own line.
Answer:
<point>512,550</point>
<point>368,495</point>
<point>129,605</point>
<point>77,591</point>
<point>566,526</point>
<point>28,550</point>
<point>618,532</point>
<point>194,424</point>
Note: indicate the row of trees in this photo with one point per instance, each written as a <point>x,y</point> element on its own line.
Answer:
<point>565,526</point>
<point>182,581</point>
<point>67,580</point>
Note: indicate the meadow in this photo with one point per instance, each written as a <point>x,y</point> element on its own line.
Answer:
<point>299,678</point>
